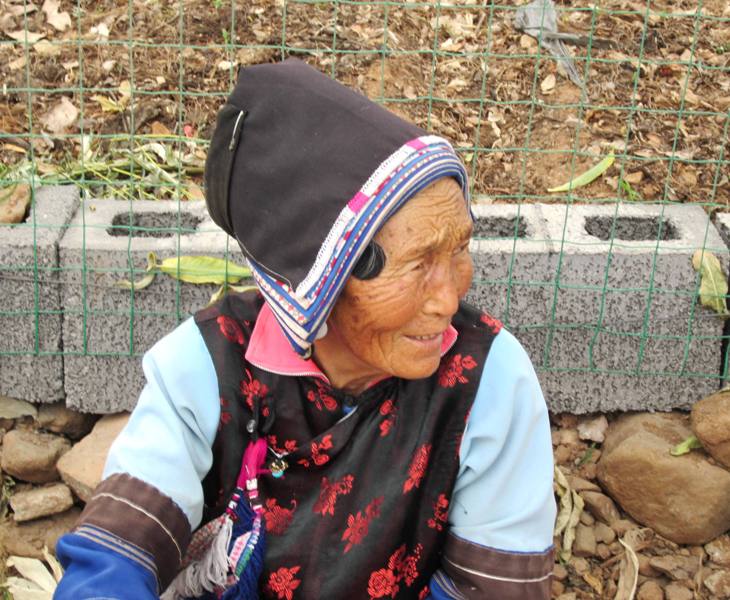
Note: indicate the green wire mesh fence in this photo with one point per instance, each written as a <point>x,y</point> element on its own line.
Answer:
<point>119,99</point>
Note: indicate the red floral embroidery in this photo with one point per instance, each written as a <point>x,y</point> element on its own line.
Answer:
<point>383,583</point>
<point>359,524</point>
<point>417,468</point>
<point>423,594</point>
<point>289,445</point>
<point>453,370</point>
<point>253,389</point>
<point>388,410</point>
<point>494,325</point>
<point>283,583</point>
<point>440,511</point>
<point>226,416</point>
<point>321,399</point>
<point>325,504</point>
<point>230,329</point>
<point>278,518</point>
<point>318,456</point>
<point>401,567</point>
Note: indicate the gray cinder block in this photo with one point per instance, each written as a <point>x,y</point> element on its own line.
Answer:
<point>626,331</point>
<point>513,263</point>
<point>31,363</point>
<point>106,329</point>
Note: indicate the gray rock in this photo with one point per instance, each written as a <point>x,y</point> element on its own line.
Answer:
<point>59,419</point>
<point>585,541</point>
<point>41,502</point>
<point>719,551</point>
<point>683,498</point>
<point>82,466</point>
<point>11,408</point>
<point>32,456</point>
<point>719,584</point>
<point>601,506</point>
<point>711,425</point>
<point>28,539</point>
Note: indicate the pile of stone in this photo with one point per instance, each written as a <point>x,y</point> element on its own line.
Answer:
<point>55,457</point>
<point>677,506</point>
<point>630,484</point>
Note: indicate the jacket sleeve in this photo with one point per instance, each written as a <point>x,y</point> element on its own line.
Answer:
<point>136,527</point>
<point>502,511</point>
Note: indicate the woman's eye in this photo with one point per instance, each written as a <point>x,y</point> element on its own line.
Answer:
<point>463,248</point>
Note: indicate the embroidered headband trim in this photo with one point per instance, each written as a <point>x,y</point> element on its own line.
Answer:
<point>413,167</point>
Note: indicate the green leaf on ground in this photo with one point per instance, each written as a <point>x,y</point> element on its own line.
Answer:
<point>145,281</point>
<point>691,443</point>
<point>587,176</point>
<point>713,283</point>
<point>203,269</point>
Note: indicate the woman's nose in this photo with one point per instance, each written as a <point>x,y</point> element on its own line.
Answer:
<point>442,292</point>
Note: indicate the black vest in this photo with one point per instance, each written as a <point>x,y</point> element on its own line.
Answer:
<point>360,509</point>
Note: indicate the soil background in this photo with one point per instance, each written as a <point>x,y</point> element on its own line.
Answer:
<point>657,79</point>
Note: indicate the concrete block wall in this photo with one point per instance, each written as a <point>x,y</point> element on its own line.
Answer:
<point>621,300</point>
<point>604,305</point>
<point>31,361</point>
<point>101,320</point>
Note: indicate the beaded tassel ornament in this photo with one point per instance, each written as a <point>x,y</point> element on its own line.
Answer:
<point>226,556</point>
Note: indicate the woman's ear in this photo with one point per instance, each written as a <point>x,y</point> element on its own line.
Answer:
<point>370,263</point>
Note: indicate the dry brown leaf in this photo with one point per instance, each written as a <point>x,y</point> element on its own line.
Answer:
<point>17,10</point>
<point>159,129</point>
<point>61,116</point>
<point>634,178</point>
<point>22,35</point>
<point>60,21</point>
<point>14,203</point>
<point>46,48</point>
<point>18,63</point>
<point>594,582</point>
<point>548,84</point>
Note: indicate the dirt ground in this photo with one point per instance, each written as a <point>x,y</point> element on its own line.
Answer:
<point>657,79</point>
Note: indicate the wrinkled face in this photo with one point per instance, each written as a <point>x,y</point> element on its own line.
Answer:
<point>394,324</point>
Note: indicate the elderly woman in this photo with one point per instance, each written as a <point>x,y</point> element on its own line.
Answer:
<point>379,437</point>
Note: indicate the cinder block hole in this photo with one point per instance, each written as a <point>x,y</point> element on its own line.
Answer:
<point>157,225</point>
<point>724,233</point>
<point>500,227</point>
<point>631,229</point>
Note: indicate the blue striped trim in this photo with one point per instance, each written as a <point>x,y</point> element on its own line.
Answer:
<point>118,545</point>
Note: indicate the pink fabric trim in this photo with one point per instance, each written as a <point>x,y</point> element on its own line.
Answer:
<point>417,144</point>
<point>269,349</point>
<point>357,202</point>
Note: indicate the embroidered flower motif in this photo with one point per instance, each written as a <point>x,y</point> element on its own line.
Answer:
<point>417,468</point>
<point>440,511</point>
<point>252,388</point>
<point>283,583</point>
<point>388,410</point>
<point>423,594</point>
<point>278,518</point>
<point>401,567</point>
<point>452,371</point>
<point>359,524</point>
<point>226,416</point>
<point>325,504</point>
<point>492,324</point>
<point>321,399</point>
<point>318,456</point>
<point>383,583</point>
<point>230,329</point>
<point>289,445</point>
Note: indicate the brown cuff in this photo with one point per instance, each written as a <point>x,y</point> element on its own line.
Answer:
<point>485,573</point>
<point>140,515</point>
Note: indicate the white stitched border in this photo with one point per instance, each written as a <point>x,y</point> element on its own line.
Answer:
<point>495,577</point>
<point>146,513</point>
